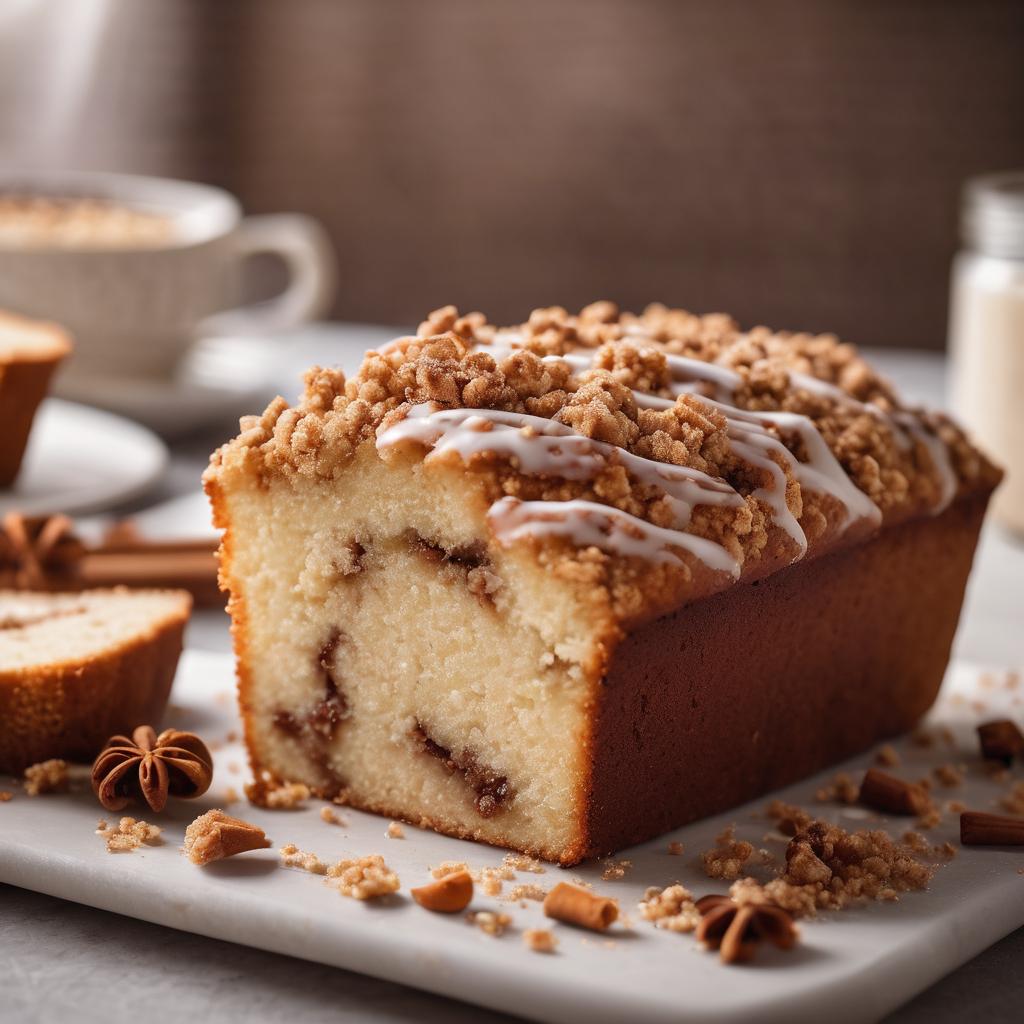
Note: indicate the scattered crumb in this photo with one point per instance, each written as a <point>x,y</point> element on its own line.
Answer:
<point>931,818</point>
<point>526,892</point>
<point>364,878</point>
<point>676,848</point>
<point>727,858</point>
<point>293,857</point>
<point>789,819</point>
<point>539,940</point>
<point>46,777</point>
<point>129,834</point>
<point>922,738</point>
<point>331,816</point>
<point>520,862</point>
<point>946,850</point>
<point>449,867</point>
<point>231,795</point>
<point>395,831</point>
<point>1014,800</point>
<point>276,796</point>
<point>615,870</point>
<point>216,836</point>
<point>888,756</point>
<point>842,789</point>
<point>490,921</point>
<point>949,775</point>
<point>234,767</point>
<point>916,841</point>
<point>835,868</point>
<point>231,736</point>
<point>956,807</point>
<point>671,908</point>
<point>996,772</point>
<point>5,795</point>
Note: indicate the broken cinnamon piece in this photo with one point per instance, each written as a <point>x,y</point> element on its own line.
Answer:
<point>978,828</point>
<point>1001,740</point>
<point>890,795</point>
<point>573,905</point>
<point>450,894</point>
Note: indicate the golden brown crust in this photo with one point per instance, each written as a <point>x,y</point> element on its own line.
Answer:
<point>70,709</point>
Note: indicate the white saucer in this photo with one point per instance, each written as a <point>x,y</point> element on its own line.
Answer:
<point>83,460</point>
<point>223,378</point>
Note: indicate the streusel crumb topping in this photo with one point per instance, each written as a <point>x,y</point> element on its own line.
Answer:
<point>664,386</point>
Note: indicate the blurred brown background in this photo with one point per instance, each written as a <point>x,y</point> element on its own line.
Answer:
<point>797,163</point>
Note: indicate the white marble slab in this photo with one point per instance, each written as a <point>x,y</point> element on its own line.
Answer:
<point>852,966</point>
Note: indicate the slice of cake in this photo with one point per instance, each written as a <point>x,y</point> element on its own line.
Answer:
<point>76,669</point>
<point>30,351</point>
<point>564,586</point>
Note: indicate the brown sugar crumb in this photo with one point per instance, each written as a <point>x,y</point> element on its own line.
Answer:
<point>331,816</point>
<point>842,789</point>
<point>364,878</point>
<point>1014,800</point>
<point>215,836</point>
<point>788,818</point>
<point>916,842</point>
<point>491,922</point>
<point>931,817</point>
<point>449,867</point>
<point>671,908</point>
<point>956,807</point>
<point>615,870</point>
<point>676,849</point>
<point>528,891</point>
<point>46,777</point>
<point>395,831</point>
<point>128,834</point>
<point>293,857</point>
<point>798,900</point>
<point>276,796</point>
<point>727,858</point>
<point>922,738</point>
<point>887,756</point>
<point>949,775</point>
<point>5,795</point>
<point>231,795</point>
<point>520,862</point>
<point>841,867</point>
<point>945,850</point>
<point>539,940</point>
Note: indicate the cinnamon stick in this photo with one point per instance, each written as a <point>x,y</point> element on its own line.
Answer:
<point>979,828</point>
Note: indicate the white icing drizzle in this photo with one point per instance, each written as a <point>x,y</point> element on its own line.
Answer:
<point>589,524</point>
<point>546,447</point>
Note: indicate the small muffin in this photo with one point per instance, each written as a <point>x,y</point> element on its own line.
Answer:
<point>29,353</point>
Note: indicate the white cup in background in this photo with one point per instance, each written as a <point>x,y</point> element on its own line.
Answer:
<point>135,296</point>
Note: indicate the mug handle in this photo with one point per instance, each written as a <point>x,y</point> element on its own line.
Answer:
<point>306,249</point>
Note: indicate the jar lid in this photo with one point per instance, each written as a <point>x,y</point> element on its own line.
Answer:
<point>992,219</point>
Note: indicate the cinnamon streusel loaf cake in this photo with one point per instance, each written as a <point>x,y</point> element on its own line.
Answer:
<point>564,586</point>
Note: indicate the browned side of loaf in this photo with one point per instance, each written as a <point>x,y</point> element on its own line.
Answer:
<point>71,710</point>
<point>23,385</point>
<point>771,681</point>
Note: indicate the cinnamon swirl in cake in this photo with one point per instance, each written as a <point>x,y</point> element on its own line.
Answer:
<point>564,586</point>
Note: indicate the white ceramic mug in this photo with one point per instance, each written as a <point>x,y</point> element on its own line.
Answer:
<point>134,309</point>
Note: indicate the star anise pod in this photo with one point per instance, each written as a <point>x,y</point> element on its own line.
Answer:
<point>735,929</point>
<point>34,549</point>
<point>151,767</point>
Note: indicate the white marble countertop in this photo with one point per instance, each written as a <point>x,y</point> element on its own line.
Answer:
<point>61,961</point>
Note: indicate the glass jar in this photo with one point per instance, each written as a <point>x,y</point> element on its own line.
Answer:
<point>986,330</point>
